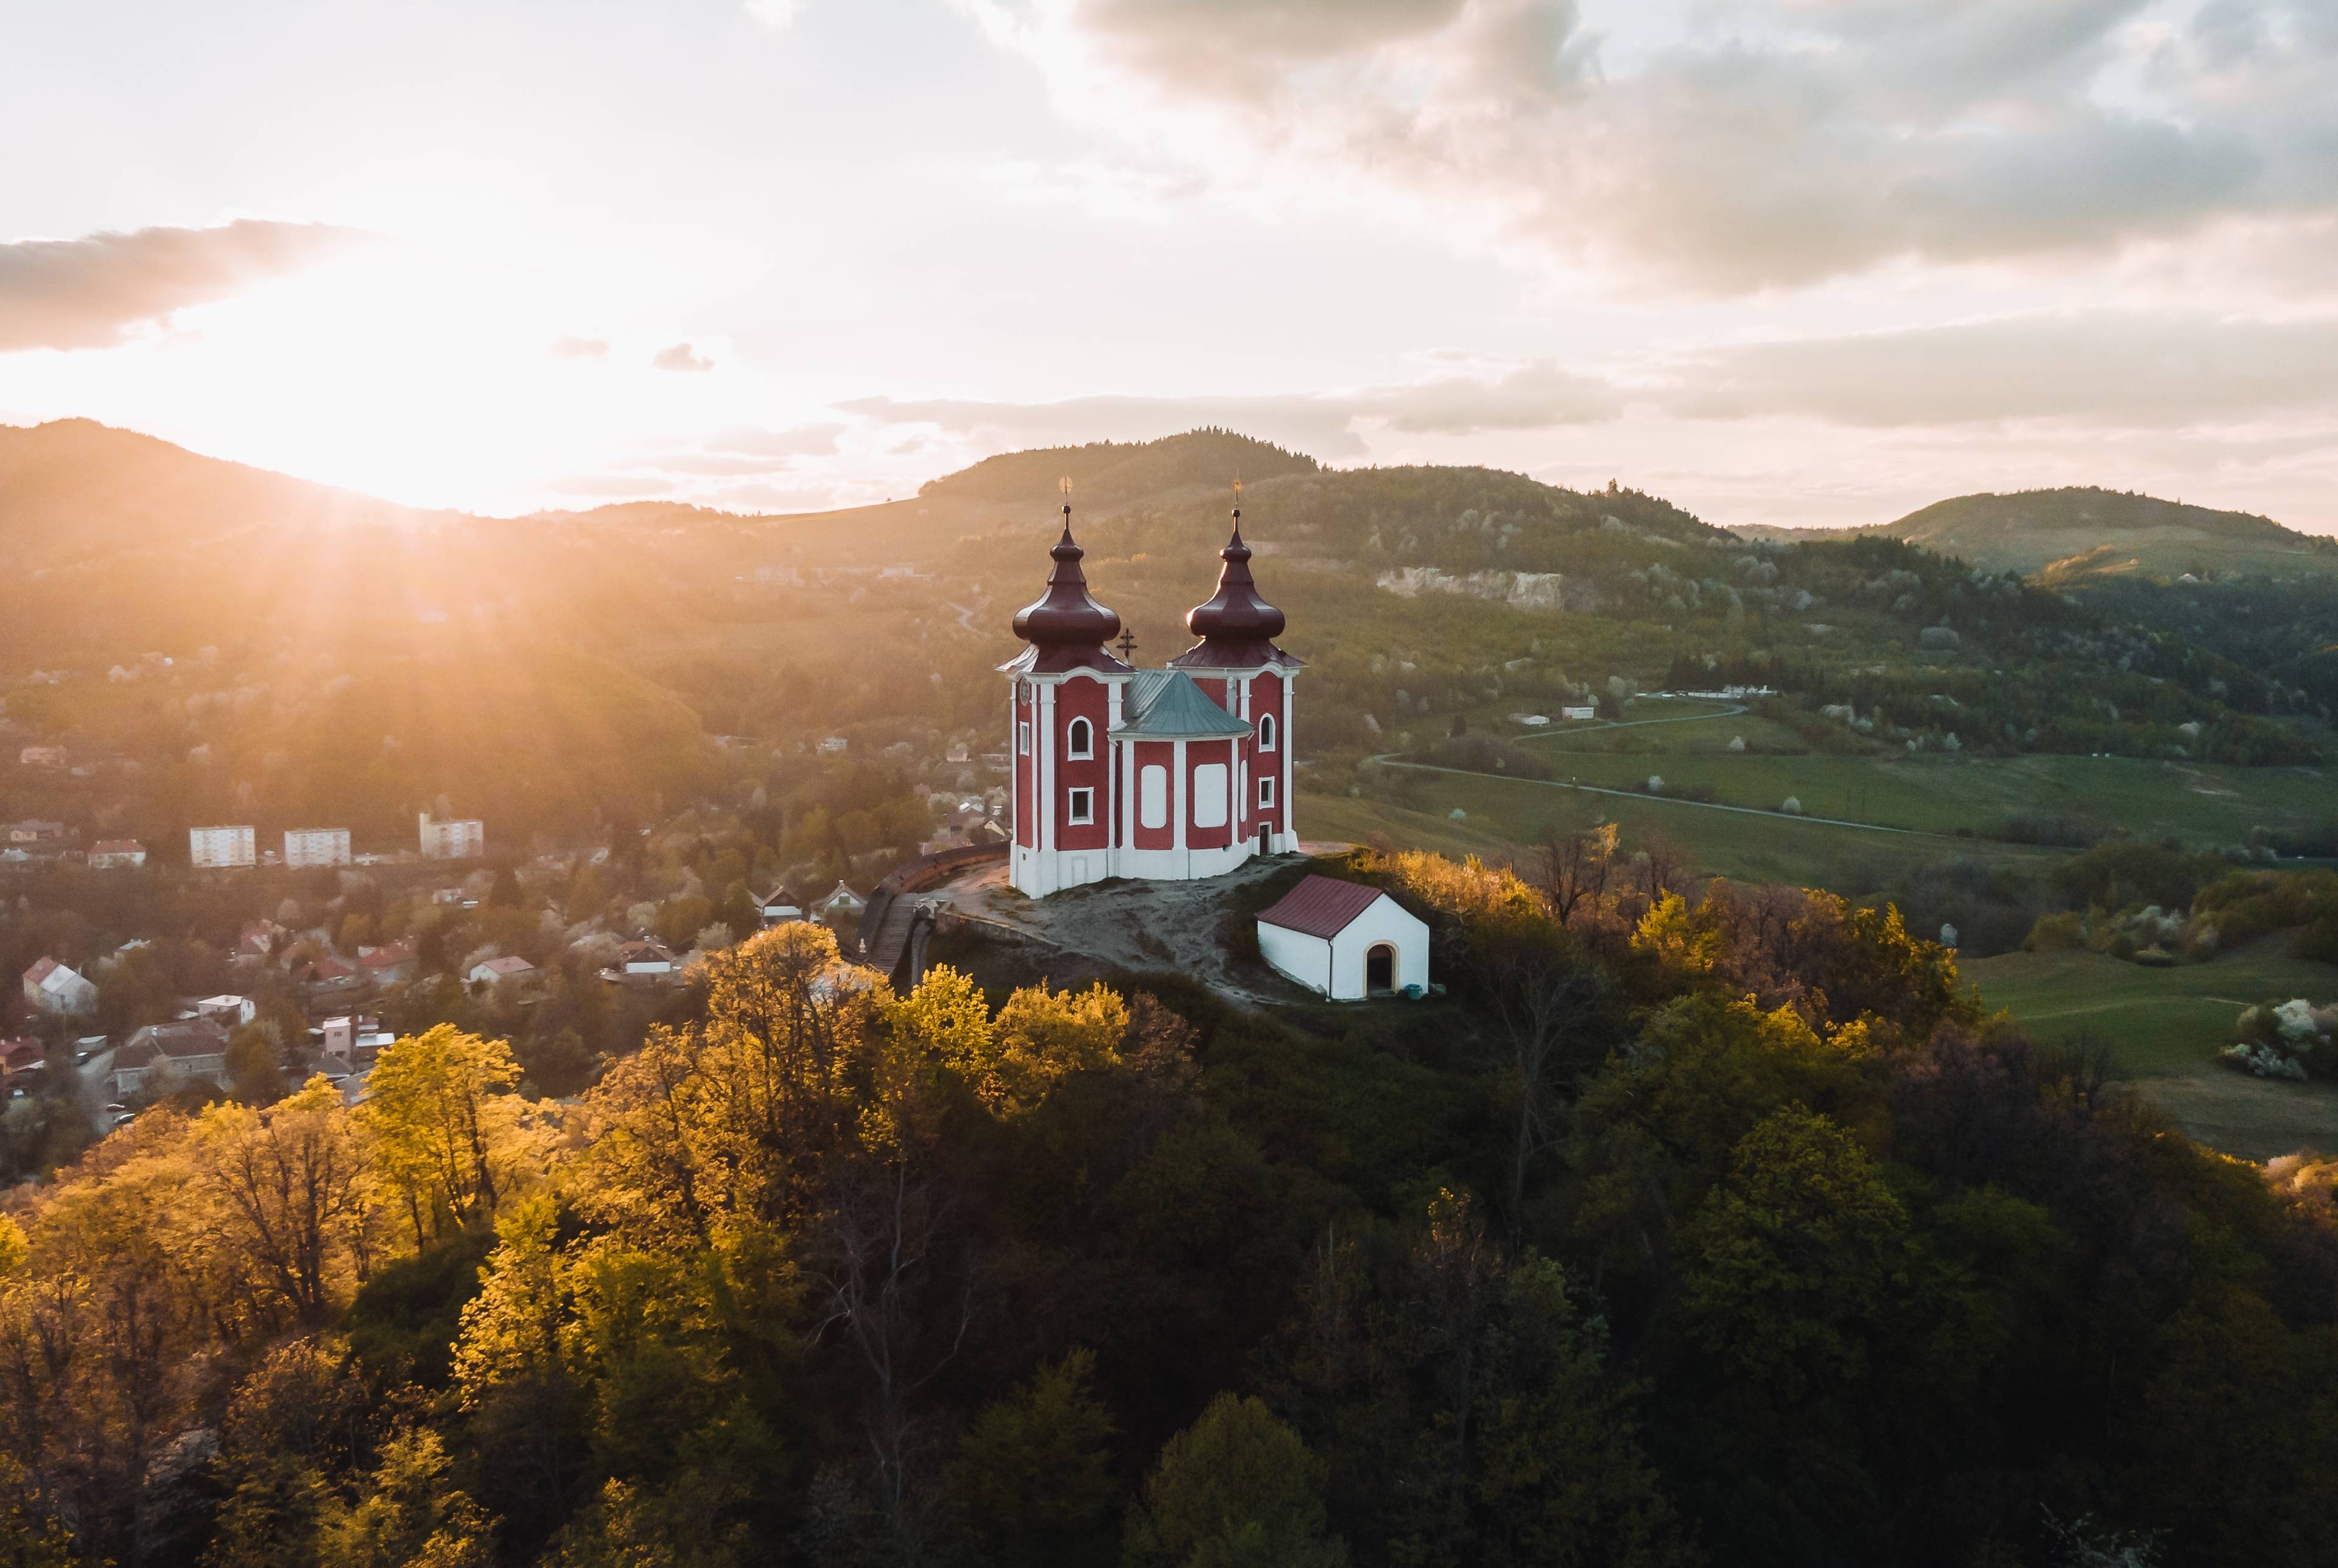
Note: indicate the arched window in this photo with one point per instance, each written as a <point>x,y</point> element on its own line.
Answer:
<point>1266,732</point>
<point>1079,741</point>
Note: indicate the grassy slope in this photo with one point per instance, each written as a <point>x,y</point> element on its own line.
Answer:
<point>2164,1026</point>
<point>2027,531</point>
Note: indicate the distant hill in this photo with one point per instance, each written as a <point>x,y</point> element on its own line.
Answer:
<point>75,491</point>
<point>1110,473</point>
<point>2084,531</point>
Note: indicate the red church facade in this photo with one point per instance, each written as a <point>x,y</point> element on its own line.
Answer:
<point>1170,774</point>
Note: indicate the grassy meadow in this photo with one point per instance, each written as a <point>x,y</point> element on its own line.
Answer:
<point>2162,1027</point>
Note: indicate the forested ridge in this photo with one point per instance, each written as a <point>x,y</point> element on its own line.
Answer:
<point>1697,1223</point>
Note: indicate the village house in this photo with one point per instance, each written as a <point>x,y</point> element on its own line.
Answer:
<point>116,854</point>
<point>35,830</point>
<point>391,964</point>
<point>352,1040</point>
<point>327,976</point>
<point>642,962</point>
<point>19,1059</point>
<point>777,908</point>
<point>229,1011</point>
<point>840,907</point>
<point>259,942</point>
<point>493,970</point>
<point>162,1055</point>
<point>41,757</point>
<point>57,990</point>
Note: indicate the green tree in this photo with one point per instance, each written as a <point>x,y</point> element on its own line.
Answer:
<point>1797,1257</point>
<point>255,1072</point>
<point>1236,1489</point>
<point>1033,1480</point>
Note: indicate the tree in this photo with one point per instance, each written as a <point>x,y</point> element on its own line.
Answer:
<point>1795,1256</point>
<point>411,1514</point>
<point>1236,1489</point>
<point>255,1074</point>
<point>1577,869</point>
<point>448,1135</point>
<point>1033,1480</point>
<point>289,1194</point>
<point>1529,973</point>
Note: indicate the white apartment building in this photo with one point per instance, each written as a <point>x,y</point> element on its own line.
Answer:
<point>462,840</point>
<point>316,846</point>
<point>220,847</point>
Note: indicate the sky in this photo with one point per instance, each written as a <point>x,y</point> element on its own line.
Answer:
<point>1785,261</point>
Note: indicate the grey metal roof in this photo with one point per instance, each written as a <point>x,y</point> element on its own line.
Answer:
<point>1165,705</point>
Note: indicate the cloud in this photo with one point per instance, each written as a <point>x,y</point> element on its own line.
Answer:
<point>615,487</point>
<point>777,16</point>
<point>800,441</point>
<point>680,357</point>
<point>1778,143</point>
<point>89,293</point>
<point>568,346</point>
<point>1526,396</point>
<point>2099,368</point>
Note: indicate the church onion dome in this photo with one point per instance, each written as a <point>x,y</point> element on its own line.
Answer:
<point>1237,628</point>
<point>1066,627</point>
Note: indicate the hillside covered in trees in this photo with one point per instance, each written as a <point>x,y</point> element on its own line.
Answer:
<point>1692,1226</point>
<point>228,644</point>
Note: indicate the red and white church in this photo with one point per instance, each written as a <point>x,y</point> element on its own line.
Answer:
<point>1171,775</point>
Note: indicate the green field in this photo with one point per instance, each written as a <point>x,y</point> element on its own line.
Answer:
<point>2164,1027</point>
<point>1504,815</point>
<point>1685,742</point>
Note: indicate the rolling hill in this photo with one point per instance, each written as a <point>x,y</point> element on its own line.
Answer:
<point>2082,532</point>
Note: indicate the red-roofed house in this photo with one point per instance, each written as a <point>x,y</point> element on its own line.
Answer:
<point>642,963</point>
<point>1345,941</point>
<point>488,971</point>
<point>107,854</point>
<point>19,1058</point>
<point>325,975</point>
<point>388,965</point>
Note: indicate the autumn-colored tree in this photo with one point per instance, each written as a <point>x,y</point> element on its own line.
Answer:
<point>288,1193</point>
<point>410,1514</point>
<point>449,1138</point>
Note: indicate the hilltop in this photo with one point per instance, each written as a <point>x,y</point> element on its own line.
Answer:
<point>2082,532</point>
<point>73,490</point>
<point>1111,473</point>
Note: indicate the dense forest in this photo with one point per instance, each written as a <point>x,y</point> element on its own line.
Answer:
<point>1693,1224</point>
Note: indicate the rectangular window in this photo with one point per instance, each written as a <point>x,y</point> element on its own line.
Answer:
<point>1022,738</point>
<point>1266,794</point>
<point>1210,782</point>
<point>1083,808</point>
<point>1152,797</point>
